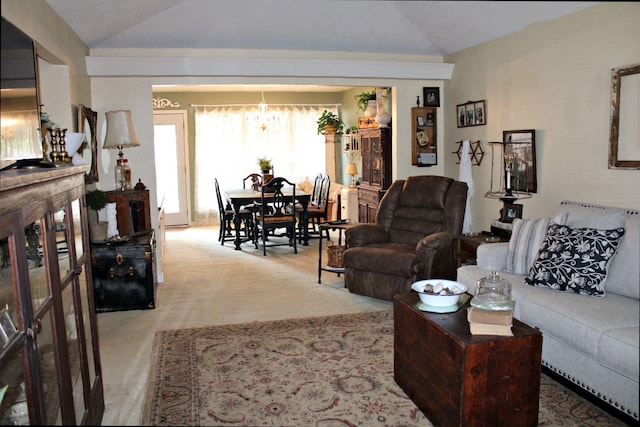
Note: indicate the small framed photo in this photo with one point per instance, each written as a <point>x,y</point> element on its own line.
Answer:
<point>431,96</point>
<point>478,109</point>
<point>420,121</point>
<point>462,116</point>
<point>471,115</point>
<point>511,212</point>
<point>7,329</point>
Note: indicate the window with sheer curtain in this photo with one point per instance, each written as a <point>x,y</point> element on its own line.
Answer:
<point>230,139</point>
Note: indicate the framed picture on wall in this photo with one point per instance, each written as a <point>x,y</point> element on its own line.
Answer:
<point>431,96</point>
<point>472,113</point>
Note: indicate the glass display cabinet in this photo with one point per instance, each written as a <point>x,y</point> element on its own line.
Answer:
<point>50,371</point>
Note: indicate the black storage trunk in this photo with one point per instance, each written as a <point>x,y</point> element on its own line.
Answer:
<point>123,274</point>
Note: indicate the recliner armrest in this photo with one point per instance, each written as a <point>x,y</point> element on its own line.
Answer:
<point>433,242</point>
<point>365,234</point>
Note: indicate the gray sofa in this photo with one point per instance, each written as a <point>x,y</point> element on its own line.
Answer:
<point>590,340</point>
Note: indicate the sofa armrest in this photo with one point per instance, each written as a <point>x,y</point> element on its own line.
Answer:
<point>365,234</point>
<point>493,256</point>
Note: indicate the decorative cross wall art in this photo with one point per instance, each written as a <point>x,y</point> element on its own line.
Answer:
<point>476,153</point>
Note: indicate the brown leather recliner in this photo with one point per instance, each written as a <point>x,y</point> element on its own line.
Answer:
<point>412,238</point>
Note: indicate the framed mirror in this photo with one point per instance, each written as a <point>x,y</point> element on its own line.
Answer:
<point>520,149</point>
<point>89,124</point>
<point>624,132</point>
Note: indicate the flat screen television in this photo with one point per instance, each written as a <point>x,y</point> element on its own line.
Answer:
<point>21,139</point>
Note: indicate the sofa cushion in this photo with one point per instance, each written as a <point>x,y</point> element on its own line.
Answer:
<point>618,350</point>
<point>583,215</point>
<point>624,272</point>
<point>577,320</point>
<point>575,259</point>
<point>526,238</point>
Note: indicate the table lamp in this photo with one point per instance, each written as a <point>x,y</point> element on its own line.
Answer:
<point>353,171</point>
<point>120,134</point>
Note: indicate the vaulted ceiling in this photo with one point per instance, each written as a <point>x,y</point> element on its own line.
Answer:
<point>386,27</point>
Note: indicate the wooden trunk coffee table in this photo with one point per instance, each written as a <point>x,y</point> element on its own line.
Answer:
<point>456,378</point>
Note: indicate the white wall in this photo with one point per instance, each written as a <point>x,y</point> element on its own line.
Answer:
<point>553,77</point>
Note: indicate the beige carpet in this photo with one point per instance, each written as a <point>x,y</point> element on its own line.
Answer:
<point>209,284</point>
<point>320,371</point>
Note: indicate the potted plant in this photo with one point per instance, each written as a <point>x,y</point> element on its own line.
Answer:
<point>266,167</point>
<point>363,99</point>
<point>329,122</point>
<point>96,200</point>
<point>264,164</point>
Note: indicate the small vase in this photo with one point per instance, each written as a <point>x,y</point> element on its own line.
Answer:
<point>98,231</point>
<point>383,118</point>
<point>372,108</point>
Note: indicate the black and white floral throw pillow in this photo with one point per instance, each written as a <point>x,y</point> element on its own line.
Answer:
<point>574,259</point>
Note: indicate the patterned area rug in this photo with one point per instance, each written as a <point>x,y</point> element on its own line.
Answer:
<point>324,371</point>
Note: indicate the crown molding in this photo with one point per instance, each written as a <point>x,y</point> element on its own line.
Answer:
<point>162,66</point>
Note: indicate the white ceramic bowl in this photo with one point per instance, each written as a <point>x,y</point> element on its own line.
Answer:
<point>439,292</point>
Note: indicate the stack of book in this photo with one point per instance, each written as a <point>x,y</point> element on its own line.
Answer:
<point>490,322</point>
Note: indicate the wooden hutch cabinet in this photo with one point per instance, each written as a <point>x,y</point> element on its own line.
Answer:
<point>49,352</point>
<point>376,171</point>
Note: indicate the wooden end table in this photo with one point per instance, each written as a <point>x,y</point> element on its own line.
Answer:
<point>466,246</point>
<point>331,225</point>
<point>456,378</point>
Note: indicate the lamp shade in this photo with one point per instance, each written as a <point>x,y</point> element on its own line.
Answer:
<point>352,169</point>
<point>120,133</point>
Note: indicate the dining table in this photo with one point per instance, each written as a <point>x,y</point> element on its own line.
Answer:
<point>239,197</point>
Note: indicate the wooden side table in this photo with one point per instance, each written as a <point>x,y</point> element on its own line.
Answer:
<point>466,246</point>
<point>456,378</point>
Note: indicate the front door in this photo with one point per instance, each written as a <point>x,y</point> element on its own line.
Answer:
<point>172,169</point>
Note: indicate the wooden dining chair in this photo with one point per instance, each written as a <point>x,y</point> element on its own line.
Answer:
<point>276,213</point>
<point>255,179</point>
<point>318,209</point>
<point>227,213</point>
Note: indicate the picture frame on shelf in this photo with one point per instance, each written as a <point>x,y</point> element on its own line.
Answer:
<point>420,121</point>
<point>511,212</point>
<point>472,113</point>
<point>431,96</point>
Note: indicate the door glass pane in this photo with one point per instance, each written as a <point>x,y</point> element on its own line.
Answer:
<point>49,378</point>
<point>59,219</point>
<point>77,228</point>
<point>73,345</point>
<point>13,408</point>
<point>86,322</point>
<point>37,274</point>
<point>166,158</point>
<point>7,299</point>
